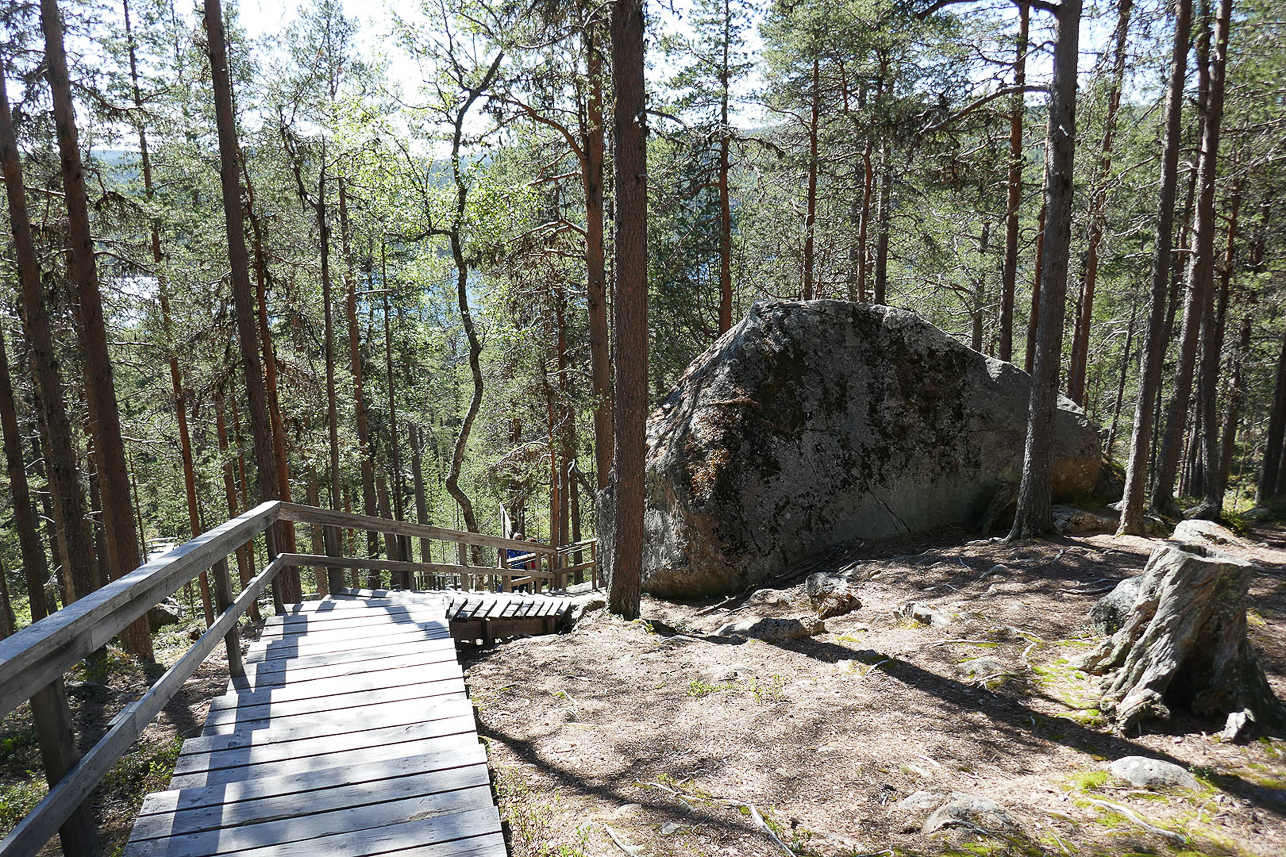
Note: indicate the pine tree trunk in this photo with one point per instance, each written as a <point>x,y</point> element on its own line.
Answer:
<point>1200,271</point>
<point>292,589</point>
<point>882,215</point>
<point>1097,212</point>
<point>810,218</point>
<point>366,449</point>
<point>1014,194</point>
<point>1033,514</point>
<point>244,561</point>
<point>1110,444</point>
<point>242,294</point>
<point>725,168</point>
<point>1212,337</point>
<point>1033,319</point>
<point>1236,392</point>
<point>35,567</point>
<point>629,307</point>
<point>68,499</point>
<point>421,507</point>
<point>1152,352</point>
<point>118,518</point>
<point>595,265</point>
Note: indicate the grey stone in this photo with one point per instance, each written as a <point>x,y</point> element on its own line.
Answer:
<point>1196,531</point>
<point>1069,520</point>
<point>772,629</point>
<point>925,615</point>
<point>768,598</point>
<point>970,809</point>
<point>167,612</point>
<point>583,605</point>
<point>1145,773</point>
<point>991,673</point>
<point>1110,612</point>
<point>812,424</point>
<point>1235,726</point>
<point>831,595</point>
<point>911,811</point>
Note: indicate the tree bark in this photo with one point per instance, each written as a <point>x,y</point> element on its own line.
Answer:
<point>882,225</point>
<point>118,518</point>
<point>1152,353</point>
<point>244,563</point>
<point>725,169</point>
<point>365,446</point>
<point>629,306</point>
<point>1014,194</point>
<point>1033,320</point>
<point>242,294</point>
<point>1236,392</point>
<point>421,507</point>
<point>595,264</point>
<point>1033,515</point>
<point>810,218</point>
<point>1200,272</point>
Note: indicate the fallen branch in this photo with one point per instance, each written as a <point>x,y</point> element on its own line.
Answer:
<point>1151,828</point>
<point>632,850</point>
<point>755,815</point>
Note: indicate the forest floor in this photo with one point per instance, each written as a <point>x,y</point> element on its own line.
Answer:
<point>663,736</point>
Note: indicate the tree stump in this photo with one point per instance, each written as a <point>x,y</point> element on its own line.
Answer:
<point>1184,644</point>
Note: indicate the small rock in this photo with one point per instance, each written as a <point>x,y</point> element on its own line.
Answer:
<point>771,629</point>
<point>1110,612</point>
<point>1235,727</point>
<point>925,614</point>
<point>761,598</point>
<point>1069,521</point>
<point>583,605</point>
<point>912,810</point>
<point>90,691</point>
<point>992,672</point>
<point>972,809</point>
<point>670,828</point>
<point>997,569</point>
<point>831,595</point>
<point>168,612</point>
<point>723,674</point>
<point>1146,773</point>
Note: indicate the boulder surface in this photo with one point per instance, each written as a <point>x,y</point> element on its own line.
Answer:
<point>814,423</point>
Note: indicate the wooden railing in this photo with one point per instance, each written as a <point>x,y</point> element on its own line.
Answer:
<point>34,660</point>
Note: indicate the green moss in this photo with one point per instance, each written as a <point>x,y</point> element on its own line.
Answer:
<point>1086,781</point>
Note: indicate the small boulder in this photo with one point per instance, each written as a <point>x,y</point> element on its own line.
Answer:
<point>925,615</point>
<point>991,673</point>
<point>969,809</point>
<point>167,612</point>
<point>831,595</point>
<point>762,599</point>
<point>1196,531</point>
<point>1071,521</point>
<point>1145,773</point>
<point>771,629</point>
<point>1109,613</point>
<point>911,811</point>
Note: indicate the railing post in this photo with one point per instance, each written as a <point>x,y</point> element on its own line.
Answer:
<point>52,717</point>
<point>270,546</point>
<point>334,576</point>
<point>466,580</point>
<point>224,598</point>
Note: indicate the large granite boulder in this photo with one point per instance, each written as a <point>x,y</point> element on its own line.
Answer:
<point>814,423</point>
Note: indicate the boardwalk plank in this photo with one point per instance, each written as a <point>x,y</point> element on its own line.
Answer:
<point>429,697</point>
<point>379,806</point>
<point>371,680</point>
<point>460,757</point>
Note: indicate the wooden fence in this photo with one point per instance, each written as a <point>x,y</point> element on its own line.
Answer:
<point>34,660</point>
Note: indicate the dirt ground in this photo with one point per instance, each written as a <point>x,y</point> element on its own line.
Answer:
<point>658,737</point>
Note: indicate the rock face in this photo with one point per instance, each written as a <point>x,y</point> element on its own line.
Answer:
<point>1110,612</point>
<point>815,423</point>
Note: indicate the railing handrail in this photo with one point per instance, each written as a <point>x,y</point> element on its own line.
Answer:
<point>43,651</point>
<point>330,518</point>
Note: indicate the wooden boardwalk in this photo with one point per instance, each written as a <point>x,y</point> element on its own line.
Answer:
<point>349,735</point>
<point>482,616</point>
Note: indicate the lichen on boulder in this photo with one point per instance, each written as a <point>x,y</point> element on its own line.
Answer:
<point>814,423</point>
